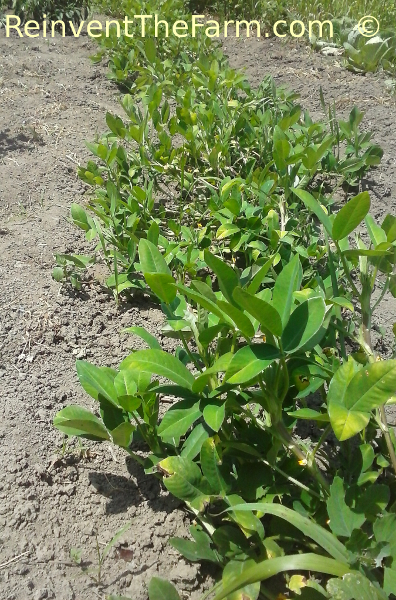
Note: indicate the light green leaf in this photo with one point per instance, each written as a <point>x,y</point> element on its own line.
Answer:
<point>161,363</point>
<point>310,414</point>
<point>249,361</point>
<point>123,434</point>
<point>193,444</point>
<point>75,420</point>
<point>242,322</point>
<point>232,571</point>
<point>97,380</point>
<point>162,285</point>
<point>221,365</point>
<point>265,313</point>
<point>161,589</point>
<point>350,216</point>
<point>353,395</point>
<point>226,230</point>
<point>259,276</point>
<point>178,419</point>
<point>185,478</point>
<point>305,321</point>
<point>354,586</point>
<point>211,467</point>
<point>287,282</point>
<point>151,259</point>
<point>205,303</point>
<point>196,550</point>
<point>389,581</point>
<point>213,415</point>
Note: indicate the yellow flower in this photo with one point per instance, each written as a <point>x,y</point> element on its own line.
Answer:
<point>302,462</point>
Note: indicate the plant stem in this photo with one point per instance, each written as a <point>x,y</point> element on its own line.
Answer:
<point>346,271</point>
<point>294,447</point>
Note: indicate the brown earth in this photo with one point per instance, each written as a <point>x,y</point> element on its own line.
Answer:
<point>53,498</point>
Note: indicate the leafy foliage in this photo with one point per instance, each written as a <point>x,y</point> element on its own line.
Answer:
<point>55,10</point>
<point>269,287</point>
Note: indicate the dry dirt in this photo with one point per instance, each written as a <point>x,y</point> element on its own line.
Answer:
<point>53,498</point>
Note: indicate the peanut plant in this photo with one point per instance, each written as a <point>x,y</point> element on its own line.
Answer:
<point>222,203</point>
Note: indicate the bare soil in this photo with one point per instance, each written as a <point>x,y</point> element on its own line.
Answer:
<point>54,498</point>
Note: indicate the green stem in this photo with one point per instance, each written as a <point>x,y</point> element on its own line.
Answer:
<point>288,441</point>
<point>346,271</point>
<point>321,440</point>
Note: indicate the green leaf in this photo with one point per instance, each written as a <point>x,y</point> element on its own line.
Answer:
<point>354,586</point>
<point>269,568</point>
<point>126,388</point>
<point>211,467</point>
<point>265,314</point>
<point>226,276</point>
<point>242,322</point>
<point>196,550</point>
<point>74,420</point>
<point>310,414</point>
<point>123,434</point>
<point>79,216</point>
<point>151,259</point>
<point>341,302</point>
<point>221,365</point>
<point>342,519</point>
<point>161,589</point>
<point>161,363</point>
<point>389,581</point>
<point>193,444</point>
<point>150,50</point>
<point>178,420</point>
<point>213,415</point>
<point>261,273</point>
<point>249,361</point>
<point>141,332</point>
<point>97,380</point>
<point>58,274</point>
<point>350,216</point>
<point>353,395</point>
<point>313,205</point>
<point>287,282</point>
<point>184,479</point>
<point>389,226</point>
<point>226,230</point>
<point>162,285</point>
<point>376,233</point>
<point>305,321</point>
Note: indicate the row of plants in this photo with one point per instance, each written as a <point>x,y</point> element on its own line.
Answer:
<point>361,53</point>
<point>221,201</point>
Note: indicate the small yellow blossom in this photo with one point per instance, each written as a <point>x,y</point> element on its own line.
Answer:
<point>302,462</point>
